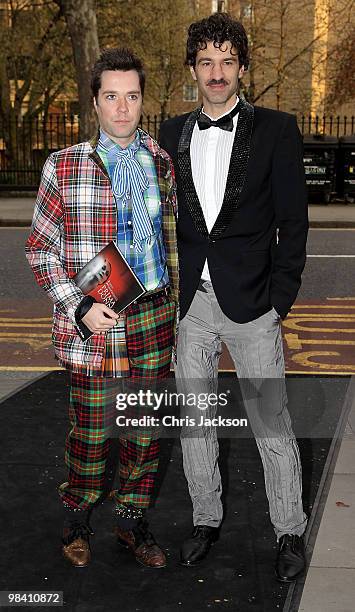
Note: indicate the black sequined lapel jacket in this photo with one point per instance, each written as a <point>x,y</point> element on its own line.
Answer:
<point>256,250</point>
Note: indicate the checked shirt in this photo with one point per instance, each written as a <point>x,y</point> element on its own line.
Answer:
<point>149,264</point>
<point>75,217</point>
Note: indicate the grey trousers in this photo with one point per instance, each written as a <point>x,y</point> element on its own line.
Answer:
<point>257,353</point>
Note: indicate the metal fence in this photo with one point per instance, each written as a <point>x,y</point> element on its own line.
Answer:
<point>25,145</point>
<point>329,125</point>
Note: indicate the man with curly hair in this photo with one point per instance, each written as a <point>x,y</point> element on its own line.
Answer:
<point>242,233</point>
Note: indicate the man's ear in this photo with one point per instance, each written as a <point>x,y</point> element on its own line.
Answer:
<point>95,103</point>
<point>193,74</point>
<point>241,72</point>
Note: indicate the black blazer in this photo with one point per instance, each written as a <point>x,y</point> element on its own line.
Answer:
<point>256,249</point>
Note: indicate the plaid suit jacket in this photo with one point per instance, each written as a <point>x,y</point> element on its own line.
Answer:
<point>75,217</point>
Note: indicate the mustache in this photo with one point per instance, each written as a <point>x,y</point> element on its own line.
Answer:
<point>217,82</point>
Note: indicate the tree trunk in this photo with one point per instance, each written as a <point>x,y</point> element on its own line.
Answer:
<point>7,114</point>
<point>82,26</point>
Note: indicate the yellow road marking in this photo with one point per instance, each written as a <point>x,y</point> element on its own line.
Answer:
<point>332,229</point>
<point>23,320</point>
<point>24,324</point>
<point>324,316</point>
<point>329,314</point>
<point>308,372</point>
<point>17,337</point>
<point>305,360</point>
<point>321,306</point>
<point>317,373</point>
<point>30,368</point>
<point>294,324</point>
<point>296,343</point>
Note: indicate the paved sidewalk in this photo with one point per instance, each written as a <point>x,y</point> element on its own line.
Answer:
<point>18,212</point>
<point>330,583</point>
<point>332,215</point>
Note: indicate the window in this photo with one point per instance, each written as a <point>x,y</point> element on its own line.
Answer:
<point>246,11</point>
<point>190,93</point>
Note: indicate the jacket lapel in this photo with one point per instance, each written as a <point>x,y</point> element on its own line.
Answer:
<point>168,212</point>
<point>184,160</point>
<point>237,169</point>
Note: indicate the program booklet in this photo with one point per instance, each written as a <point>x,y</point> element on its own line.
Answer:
<point>109,279</point>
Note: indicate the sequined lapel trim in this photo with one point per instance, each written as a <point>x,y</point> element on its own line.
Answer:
<point>185,171</point>
<point>237,170</point>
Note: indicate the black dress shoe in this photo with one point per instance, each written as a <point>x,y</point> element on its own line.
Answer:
<point>291,558</point>
<point>196,548</point>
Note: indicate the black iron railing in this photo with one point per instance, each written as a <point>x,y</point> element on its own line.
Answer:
<point>25,144</point>
<point>329,125</point>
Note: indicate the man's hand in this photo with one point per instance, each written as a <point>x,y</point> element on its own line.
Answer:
<point>100,318</point>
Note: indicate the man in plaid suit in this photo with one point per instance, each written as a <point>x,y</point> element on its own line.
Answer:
<point>119,186</point>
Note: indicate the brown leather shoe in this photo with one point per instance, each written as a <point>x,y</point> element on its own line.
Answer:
<point>76,547</point>
<point>141,542</point>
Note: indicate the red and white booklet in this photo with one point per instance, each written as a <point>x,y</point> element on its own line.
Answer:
<point>109,279</point>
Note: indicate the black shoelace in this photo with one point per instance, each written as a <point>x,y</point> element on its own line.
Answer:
<point>78,530</point>
<point>142,534</point>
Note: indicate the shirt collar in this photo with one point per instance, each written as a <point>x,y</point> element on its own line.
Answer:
<point>106,144</point>
<point>226,113</point>
<point>146,141</point>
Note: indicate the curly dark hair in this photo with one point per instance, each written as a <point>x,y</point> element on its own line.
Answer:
<point>217,28</point>
<point>116,59</point>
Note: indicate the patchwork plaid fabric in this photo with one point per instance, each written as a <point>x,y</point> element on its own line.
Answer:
<point>75,217</point>
<point>138,465</point>
<point>149,264</point>
<point>150,328</point>
<point>115,362</point>
<point>88,441</point>
<point>149,335</point>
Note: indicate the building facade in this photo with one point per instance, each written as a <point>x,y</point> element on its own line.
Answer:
<point>292,44</point>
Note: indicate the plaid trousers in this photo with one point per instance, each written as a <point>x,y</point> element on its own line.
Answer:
<point>149,337</point>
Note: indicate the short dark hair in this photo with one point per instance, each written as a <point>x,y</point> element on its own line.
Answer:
<point>116,59</point>
<point>217,28</point>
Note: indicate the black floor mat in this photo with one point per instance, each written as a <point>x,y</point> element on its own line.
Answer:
<point>238,573</point>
